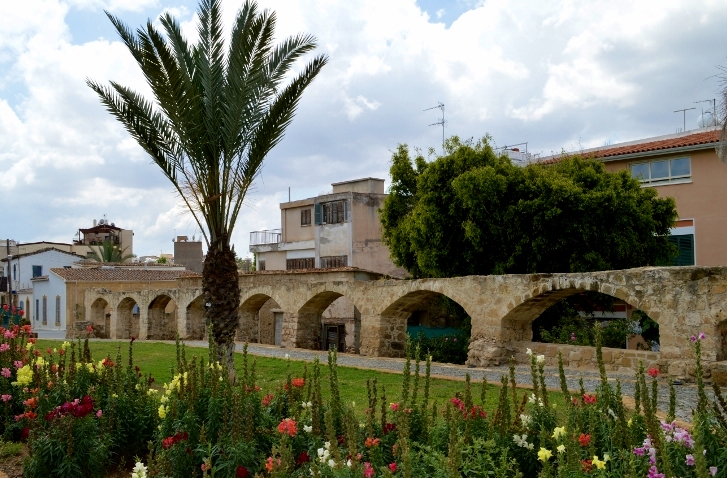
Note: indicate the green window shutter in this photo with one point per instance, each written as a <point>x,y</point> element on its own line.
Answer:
<point>318,214</point>
<point>685,244</point>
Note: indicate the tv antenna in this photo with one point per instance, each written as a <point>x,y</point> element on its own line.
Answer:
<point>714,108</point>
<point>441,121</point>
<point>685,116</point>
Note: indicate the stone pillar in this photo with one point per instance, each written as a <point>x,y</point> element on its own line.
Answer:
<point>383,336</point>
<point>113,333</point>
<point>491,342</point>
<point>143,321</point>
<point>247,328</point>
<point>370,335</point>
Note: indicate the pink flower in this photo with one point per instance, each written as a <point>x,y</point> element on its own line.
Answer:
<point>392,467</point>
<point>18,364</point>
<point>99,413</point>
<point>639,451</point>
<point>693,338</point>
<point>394,406</point>
<point>9,334</point>
<point>713,470</point>
<point>701,336</point>
<point>654,473</point>
<point>690,460</point>
<point>4,347</point>
<point>5,372</point>
<point>368,470</point>
<point>6,398</point>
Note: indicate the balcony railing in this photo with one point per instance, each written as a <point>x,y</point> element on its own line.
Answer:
<point>272,236</point>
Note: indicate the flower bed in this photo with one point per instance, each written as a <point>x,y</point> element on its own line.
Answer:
<point>85,417</point>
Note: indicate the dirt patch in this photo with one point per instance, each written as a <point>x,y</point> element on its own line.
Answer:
<point>11,466</point>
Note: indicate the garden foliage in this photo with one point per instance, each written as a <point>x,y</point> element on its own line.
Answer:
<point>83,417</point>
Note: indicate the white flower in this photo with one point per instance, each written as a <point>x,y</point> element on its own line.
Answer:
<point>307,428</point>
<point>525,420</point>
<point>327,445</point>
<point>610,412</point>
<point>349,463</point>
<point>306,404</point>
<point>139,470</point>
<point>529,352</point>
<point>331,463</point>
<point>540,359</point>
<point>287,356</point>
<point>531,398</point>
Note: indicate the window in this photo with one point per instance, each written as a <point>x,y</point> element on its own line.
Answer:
<point>306,263</point>
<point>15,272</point>
<point>37,308</point>
<point>331,262</point>
<point>305,217</point>
<point>333,212</point>
<point>663,171</point>
<point>261,265</point>
<point>685,250</point>
<point>45,310</point>
<point>58,310</point>
<point>37,271</point>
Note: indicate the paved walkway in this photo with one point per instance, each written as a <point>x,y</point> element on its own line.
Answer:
<point>686,394</point>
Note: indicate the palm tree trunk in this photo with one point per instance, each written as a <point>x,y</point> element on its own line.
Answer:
<point>221,288</point>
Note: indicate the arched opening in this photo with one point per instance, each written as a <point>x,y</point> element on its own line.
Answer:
<point>101,318</point>
<point>437,324</point>
<point>722,341</point>
<point>329,320</point>
<point>261,321</point>
<point>196,324</point>
<point>127,319</point>
<point>568,318</point>
<point>162,318</point>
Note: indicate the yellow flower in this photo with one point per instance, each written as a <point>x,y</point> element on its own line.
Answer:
<point>55,351</point>
<point>162,411</point>
<point>544,454</point>
<point>66,345</point>
<point>629,422</point>
<point>558,432</point>
<point>24,376</point>
<point>151,391</point>
<point>606,457</point>
<point>114,395</point>
<point>598,463</point>
<point>561,448</point>
<point>29,345</point>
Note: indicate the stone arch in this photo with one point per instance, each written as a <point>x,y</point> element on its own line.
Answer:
<point>162,318</point>
<point>127,318</point>
<point>101,318</point>
<point>395,318</point>
<point>329,318</point>
<point>196,323</point>
<point>516,325</point>
<point>259,314</point>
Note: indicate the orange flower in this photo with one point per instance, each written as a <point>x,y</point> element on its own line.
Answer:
<point>298,382</point>
<point>287,427</point>
<point>370,442</point>
<point>31,402</point>
<point>269,464</point>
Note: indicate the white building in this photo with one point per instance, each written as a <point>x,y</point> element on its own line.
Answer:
<point>24,270</point>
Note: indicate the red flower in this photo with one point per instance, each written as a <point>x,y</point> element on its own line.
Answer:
<point>589,399</point>
<point>168,442</point>
<point>302,458</point>
<point>287,427</point>
<point>107,363</point>
<point>267,399</point>
<point>653,372</point>
<point>89,329</point>
<point>24,434</point>
<point>389,427</point>
<point>587,465</point>
<point>21,313</point>
<point>584,439</point>
<point>242,472</point>
<point>5,307</point>
<point>392,467</point>
<point>298,382</point>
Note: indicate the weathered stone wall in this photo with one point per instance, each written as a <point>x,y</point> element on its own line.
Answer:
<point>575,356</point>
<point>683,300</point>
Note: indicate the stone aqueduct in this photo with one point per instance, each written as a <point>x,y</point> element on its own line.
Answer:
<point>683,300</point>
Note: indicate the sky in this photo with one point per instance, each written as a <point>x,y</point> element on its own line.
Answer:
<point>559,75</point>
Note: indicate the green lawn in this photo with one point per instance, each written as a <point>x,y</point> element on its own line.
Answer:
<point>158,359</point>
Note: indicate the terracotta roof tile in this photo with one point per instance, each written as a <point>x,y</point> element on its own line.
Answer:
<point>112,275</point>
<point>40,251</point>
<point>693,139</point>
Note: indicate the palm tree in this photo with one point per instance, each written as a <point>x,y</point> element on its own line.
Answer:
<point>217,111</point>
<point>107,251</point>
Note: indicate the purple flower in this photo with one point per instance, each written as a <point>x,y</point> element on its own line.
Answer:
<point>693,338</point>
<point>702,336</point>
<point>455,339</point>
<point>639,451</point>
<point>713,470</point>
<point>654,473</point>
<point>690,460</point>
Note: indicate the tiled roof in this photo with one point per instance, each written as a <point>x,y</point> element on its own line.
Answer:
<point>40,251</point>
<point>311,271</point>
<point>707,137</point>
<point>137,265</point>
<point>111,275</point>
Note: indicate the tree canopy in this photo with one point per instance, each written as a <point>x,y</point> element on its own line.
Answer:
<point>108,251</point>
<point>473,211</point>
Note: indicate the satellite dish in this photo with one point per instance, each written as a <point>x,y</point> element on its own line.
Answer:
<point>101,222</point>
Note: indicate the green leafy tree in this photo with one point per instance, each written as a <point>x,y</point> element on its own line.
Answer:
<point>474,212</point>
<point>218,109</point>
<point>162,260</point>
<point>108,251</point>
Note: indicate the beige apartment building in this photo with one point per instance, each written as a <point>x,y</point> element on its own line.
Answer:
<point>340,229</point>
<point>684,166</point>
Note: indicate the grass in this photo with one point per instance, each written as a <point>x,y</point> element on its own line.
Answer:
<point>158,359</point>
<point>9,448</point>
